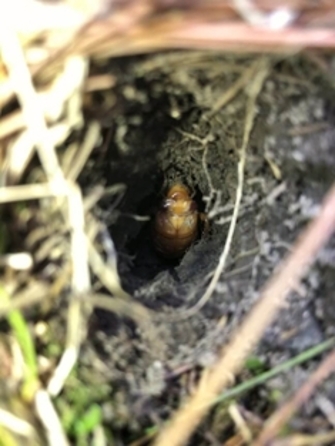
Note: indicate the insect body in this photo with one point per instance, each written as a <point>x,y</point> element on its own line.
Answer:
<point>176,224</point>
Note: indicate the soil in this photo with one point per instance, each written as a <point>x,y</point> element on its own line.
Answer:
<point>161,130</point>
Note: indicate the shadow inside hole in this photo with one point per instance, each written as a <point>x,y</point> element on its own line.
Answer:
<point>144,169</point>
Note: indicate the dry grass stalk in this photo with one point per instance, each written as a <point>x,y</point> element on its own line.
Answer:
<point>15,424</point>
<point>306,440</point>
<point>99,29</point>
<point>261,70</point>
<point>19,73</point>
<point>48,415</point>
<point>283,415</point>
<point>81,285</point>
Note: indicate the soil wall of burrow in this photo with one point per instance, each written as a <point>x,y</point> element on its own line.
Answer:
<point>164,128</point>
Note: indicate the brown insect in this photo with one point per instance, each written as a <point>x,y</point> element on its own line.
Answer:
<point>176,224</point>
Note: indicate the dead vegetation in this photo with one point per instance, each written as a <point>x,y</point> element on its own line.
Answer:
<point>102,340</point>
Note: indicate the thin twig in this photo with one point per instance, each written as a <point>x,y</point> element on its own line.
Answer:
<point>32,192</point>
<point>21,149</point>
<point>32,295</point>
<point>212,192</point>
<point>256,86</point>
<point>15,424</point>
<point>281,368</point>
<point>122,307</point>
<point>99,82</point>
<point>283,415</point>
<point>326,406</point>
<point>133,310</point>
<point>246,337</point>
<point>50,419</point>
<point>241,82</point>
<point>106,273</point>
<point>240,424</point>
<point>80,287</point>
<point>84,151</point>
